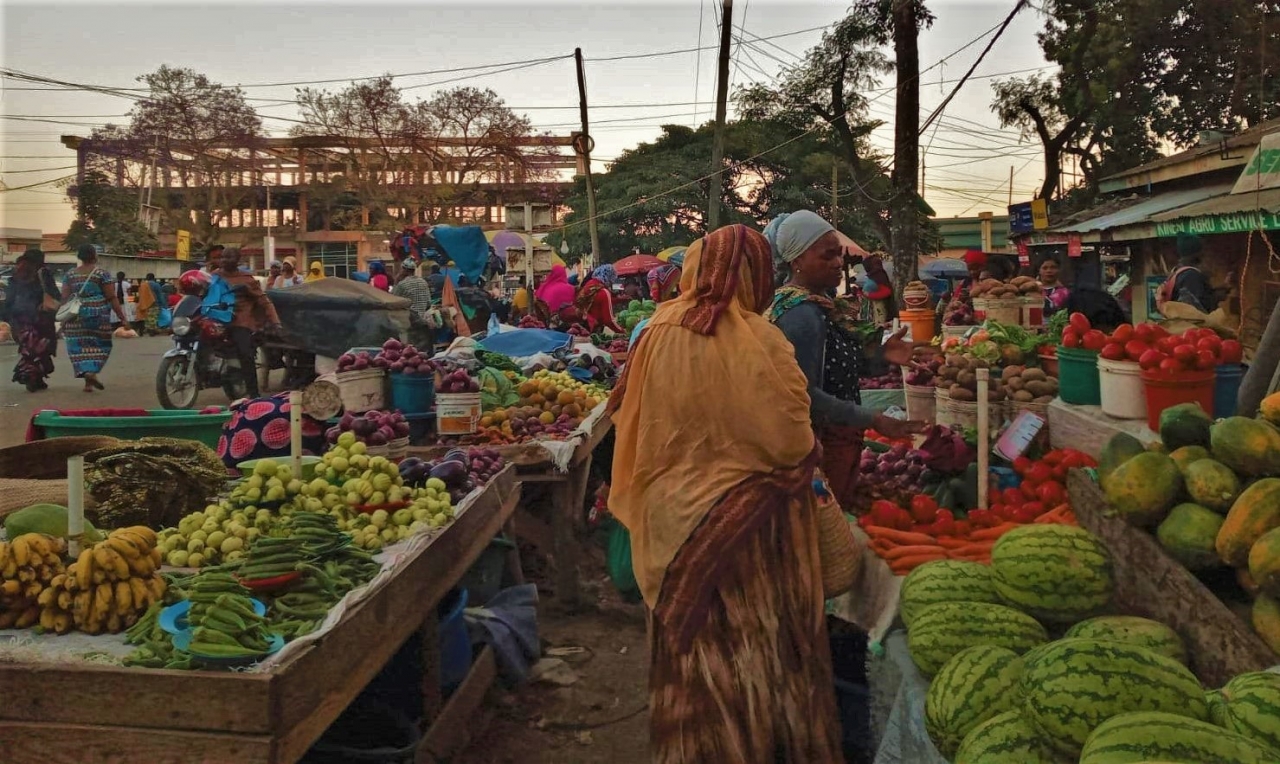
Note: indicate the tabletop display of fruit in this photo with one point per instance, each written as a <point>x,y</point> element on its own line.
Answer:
<point>552,405</point>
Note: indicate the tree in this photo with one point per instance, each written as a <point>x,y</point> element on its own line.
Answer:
<point>108,217</point>
<point>199,132</point>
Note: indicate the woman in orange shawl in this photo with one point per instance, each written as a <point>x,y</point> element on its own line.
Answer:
<point>714,480</point>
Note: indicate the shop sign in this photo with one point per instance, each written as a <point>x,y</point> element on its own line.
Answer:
<point>1040,214</point>
<point>1024,253</point>
<point>1020,219</point>
<point>1236,222</point>
<point>1074,247</point>
<point>182,250</point>
<point>1263,170</point>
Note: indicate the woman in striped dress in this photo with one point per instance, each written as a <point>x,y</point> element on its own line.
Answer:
<point>88,334</point>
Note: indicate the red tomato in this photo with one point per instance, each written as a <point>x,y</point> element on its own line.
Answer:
<point>945,515</point>
<point>1122,334</point>
<point>1039,473</point>
<point>1135,348</point>
<point>1151,359</point>
<point>1051,494</point>
<point>1035,506</point>
<point>1049,350</point>
<point>923,508</point>
<point>1070,338</point>
<point>1028,490</point>
<point>1171,365</point>
<point>1025,514</point>
<point>1206,360</point>
<point>1076,459</point>
<point>1093,340</point>
<point>1167,344</point>
<point>1011,496</point>
<point>1158,331</point>
<point>1079,322</point>
<point>1144,333</point>
<point>1113,351</point>
<point>902,520</point>
<point>1185,353</point>
<point>982,518</point>
<point>962,528</point>
<point>1053,457</point>
<point>1021,465</point>
<point>1232,352</point>
<point>1003,512</point>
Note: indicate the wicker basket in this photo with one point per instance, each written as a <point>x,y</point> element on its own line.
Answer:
<point>17,494</point>
<point>837,550</point>
<point>1005,310</point>
<point>398,448</point>
<point>47,459</point>
<point>921,403</point>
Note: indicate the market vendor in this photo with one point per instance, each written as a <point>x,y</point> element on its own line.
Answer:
<point>1187,283</point>
<point>594,301</point>
<point>1055,292</point>
<point>884,306</point>
<point>664,282</point>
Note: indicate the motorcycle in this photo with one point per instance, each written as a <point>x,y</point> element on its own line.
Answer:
<point>202,357</point>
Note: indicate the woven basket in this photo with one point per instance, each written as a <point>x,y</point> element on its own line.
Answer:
<point>17,494</point>
<point>47,459</point>
<point>837,549</point>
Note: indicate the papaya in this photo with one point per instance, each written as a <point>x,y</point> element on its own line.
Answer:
<point>1264,562</point>
<point>1187,456</point>
<point>1189,533</point>
<point>1266,620</point>
<point>1144,489</point>
<point>1119,449</point>
<point>1247,582</point>
<point>1185,424</point>
<point>1269,409</point>
<point>49,519</point>
<point>1251,447</point>
<point>1256,511</point>
<point>1211,484</point>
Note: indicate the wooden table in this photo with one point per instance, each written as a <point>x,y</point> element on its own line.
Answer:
<point>80,713</point>
<point>558,537</point>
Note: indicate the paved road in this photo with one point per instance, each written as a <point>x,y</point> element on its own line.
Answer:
<point>129,378</point>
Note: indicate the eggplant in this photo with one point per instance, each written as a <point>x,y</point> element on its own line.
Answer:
<point>453,473</point>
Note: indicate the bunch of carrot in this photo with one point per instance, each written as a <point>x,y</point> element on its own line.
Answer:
<point>904,550</point>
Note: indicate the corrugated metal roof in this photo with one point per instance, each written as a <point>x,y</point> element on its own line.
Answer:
<point>1248,137</point>
<point>1226,204</point>
<point>1143,210</point>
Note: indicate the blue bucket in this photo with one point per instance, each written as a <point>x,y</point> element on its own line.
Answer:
<point>412,394</point>
<point>1226,388</point>
<point>455,643</point>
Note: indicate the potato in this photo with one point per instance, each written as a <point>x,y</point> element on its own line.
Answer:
<point>1022,396</point>
<point>1020,280</point>
<point>958,393</point>
<point>1015,384</point>
<point>1038,388</point>
<point>1034,375</point>
<point>948,372</point>
<point>967,378</point>
<point>1029,288</point>
<point>995,394</point>
<point>1046,399</point>
<point>1010,372</point>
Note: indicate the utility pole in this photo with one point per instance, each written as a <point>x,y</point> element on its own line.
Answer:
<point>722,97</point>
<point>1010,185</point>
<point>906,213</point>
<point>587,145</point>
<point>835,192</point>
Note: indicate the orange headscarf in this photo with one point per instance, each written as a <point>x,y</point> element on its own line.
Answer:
<point>712,424</point>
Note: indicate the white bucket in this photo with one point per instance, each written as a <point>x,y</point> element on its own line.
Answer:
<point>1123,394</point>
<point>362,390</point>
<point>458,413</point>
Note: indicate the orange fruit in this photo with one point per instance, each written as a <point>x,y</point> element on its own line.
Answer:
<point>547,417</point>
<point>565,397</point>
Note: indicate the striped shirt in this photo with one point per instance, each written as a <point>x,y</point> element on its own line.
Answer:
<point>416,290</point>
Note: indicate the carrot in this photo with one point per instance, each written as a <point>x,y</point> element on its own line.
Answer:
<point>1053,515</point>
<point>952,542</point>
<point>913,550</point>
<point>907,564</point>
<point>977,548</point>
<point>992,533</point>
<point>899,537</point>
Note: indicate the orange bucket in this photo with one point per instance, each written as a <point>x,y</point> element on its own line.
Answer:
<point>921,321</point>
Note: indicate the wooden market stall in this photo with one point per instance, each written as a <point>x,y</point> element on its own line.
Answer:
<point>81,712</point>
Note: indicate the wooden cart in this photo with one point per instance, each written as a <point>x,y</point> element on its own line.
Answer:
<point>79,713</point>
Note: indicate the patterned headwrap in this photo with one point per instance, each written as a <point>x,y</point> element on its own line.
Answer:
<point>724,251</point>
<point>663,281</point>
<point>605,274</point>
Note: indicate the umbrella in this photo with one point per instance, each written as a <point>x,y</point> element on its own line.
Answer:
<point>670,252</point>
<point>945,268</point>
<point>503,239</point>
<point>636,264</point>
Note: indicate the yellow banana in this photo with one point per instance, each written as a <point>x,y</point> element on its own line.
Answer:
<point>141,594</point>
<point>38,544</point>
<point>92,626</point>
<point>28,618</point>
<point>111,561</point>
<point>47,597</point>
<point>142,566</point>
<point>81,605</point>
<point>4,553</point>
<point>59,580</point>
<point>134,539</point>
<point>10,569</point>
<point>157,586</point>
<point>20,550</point>
<point>33,589</point>
<point>26,575</point>
<point>64,600</point>
<point>148,535</point>
<point>123,545</point>
<point>124,597</point>
<point>99,575</point>
<point>157,557</point>
<point>11,587</point>
<point>61,623</point>
<point>114,623</point>
<point>46,619</point>
<point>84,569</point>
<point>101,601</point>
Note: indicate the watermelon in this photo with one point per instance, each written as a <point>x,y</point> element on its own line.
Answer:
<point>1132,630</point>
<point>1073,685</point>
<point>944,581</point>
<point>1057,573</point>
<point>942,630</point>
<point>1006,739</point>
<point>1217,707</point>
<point>1251,707</point>
<point>1190,535</point>
<point>975,685</point>
<point>1130,738</point>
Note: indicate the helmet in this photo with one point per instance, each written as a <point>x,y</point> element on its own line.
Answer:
<point>194,282</point>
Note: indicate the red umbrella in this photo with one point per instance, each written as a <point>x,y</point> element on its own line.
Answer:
<point>636,264</point>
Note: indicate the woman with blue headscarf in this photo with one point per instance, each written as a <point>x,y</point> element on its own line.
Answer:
<point>378,278</point>
<point>594,301</point>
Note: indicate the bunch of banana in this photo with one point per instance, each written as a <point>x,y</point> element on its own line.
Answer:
<point>114,581</point>
<point>229,628</point>
<point>28,566</point>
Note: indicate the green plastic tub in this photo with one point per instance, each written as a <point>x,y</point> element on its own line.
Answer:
<point>158,423</point>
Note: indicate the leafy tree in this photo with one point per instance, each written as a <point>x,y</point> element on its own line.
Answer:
<point>108,217</point>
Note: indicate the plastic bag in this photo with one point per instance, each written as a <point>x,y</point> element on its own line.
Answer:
<point>618,563</point>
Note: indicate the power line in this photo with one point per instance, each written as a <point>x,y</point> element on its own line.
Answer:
<point>42,169</point>
<point>35,185</point>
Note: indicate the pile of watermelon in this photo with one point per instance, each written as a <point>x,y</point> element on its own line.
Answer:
<point>1112,690</point>
<point>1210,492</point>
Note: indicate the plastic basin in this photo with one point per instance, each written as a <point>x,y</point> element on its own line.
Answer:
<point>1078,377</point>
<point>158,423</point>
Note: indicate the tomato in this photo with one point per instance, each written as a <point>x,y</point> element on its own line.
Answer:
<point>1135,348</point>
<point>1076,459</point>
<point>1093,340</point>
<point>923,508</point>
<point>884,512</point>
<point>1171,365</point>
<point>1049,350</point>
<point>1122,334</point>
<point>1151,359</point>
<point>1167,344</point>
<point>1113,351</point>
<point>1035,506</point>
<point>1158,331</point>
<point>1003,512</point>
<point>902,520</point>
<point>1070,338</point>
<point>1021,465</point>
<point>1028,490</point>
<point>1079,322</point>
<point>1051,494</point>
<point>1053,457</point>
<point>1038,473</point>
<point>1206,360</point>
<point>1231,352</point>
<point>961,528</point>
<point>982,518</point>
<point>1025,514</point>
<point>1011,496</point>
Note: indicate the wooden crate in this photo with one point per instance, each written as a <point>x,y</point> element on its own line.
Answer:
<point>1150,583</point>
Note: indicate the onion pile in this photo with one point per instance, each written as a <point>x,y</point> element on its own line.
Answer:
<point>922,373</point>
<point>459,381</point>
<point>896,475</point>
<point>889,381</point>
<point>374,428</point>
<point>484,463</point>
<point>578,330</point>
<point>529,322</point>
<point>617,346</point>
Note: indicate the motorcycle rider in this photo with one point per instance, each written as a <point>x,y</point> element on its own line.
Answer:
<point>252,312</point>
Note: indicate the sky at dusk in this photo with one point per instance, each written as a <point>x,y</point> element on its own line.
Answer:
<point>109,44</point>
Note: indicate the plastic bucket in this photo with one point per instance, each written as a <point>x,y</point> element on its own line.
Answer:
<point>455,643</point>
<point>412,394</point>
<point>457,413</point>
<point>1226,388</point>
<point>1078,377</point>
<point>921,403</point>
<point>921,321</point>
<point>1122,391</point>
<point>362,390</point>
<point>980,309</point>
<point>1049,363</point>
<point>1165,390</point>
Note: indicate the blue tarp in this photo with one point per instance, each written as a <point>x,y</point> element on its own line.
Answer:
<point>466,246</point>
<point>522,343</point>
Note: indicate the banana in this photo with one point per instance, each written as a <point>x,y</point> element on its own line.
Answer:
<point>123,546</point>
<point>58,580</point>
<point>99,576</point>
<point>61,623</point>
<point>4,554</point>
<point>140,593</point>
<point>142,530</point>
<point>84,569</point>
<point>142,566</point>
<point>20,550</point>
<point>101,601</point>
<point>64,600</point>
<point>38,544</point>
<point>114,624</point>
<point>111,561</point>
<point>137,540</point>
<point>124,597</point>
<point>157,586</point>
<point>28,618</point>
<point>81,605</point>
<point>26,575</point>
<point>157,557</point>
<point>46,619</point>
<point>11,587</point>
<point>33,590</point>
<point>47,597</point>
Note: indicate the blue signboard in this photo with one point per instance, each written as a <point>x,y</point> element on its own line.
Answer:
<point>1020,219</point>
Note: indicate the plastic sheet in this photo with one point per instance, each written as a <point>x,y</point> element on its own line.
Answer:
<point>331,316</point>
<point>897,706</point>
